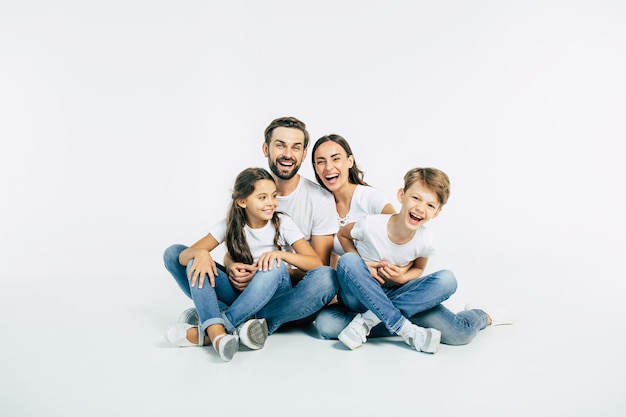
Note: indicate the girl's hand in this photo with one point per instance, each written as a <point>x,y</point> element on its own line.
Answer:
<point>203,265</point>
<point>266,261</point>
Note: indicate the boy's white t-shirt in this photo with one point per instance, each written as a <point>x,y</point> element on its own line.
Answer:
<point>365,200</point>
<point>373,244</point>
<point>262,240</point>
<point>311,207</point>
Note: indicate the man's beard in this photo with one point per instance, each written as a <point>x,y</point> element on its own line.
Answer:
<point>284,174</point>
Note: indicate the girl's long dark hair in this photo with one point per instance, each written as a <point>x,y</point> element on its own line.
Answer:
<point>236,241</point>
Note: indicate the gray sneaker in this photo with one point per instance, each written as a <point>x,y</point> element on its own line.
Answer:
<point>189,316</point>
<point>253,333</point>
<point>423,340</point>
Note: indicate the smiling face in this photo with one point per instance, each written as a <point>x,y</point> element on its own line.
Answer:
<point>285,152</point>
<point>332,165</point>
<point>261,204</point>
<point>419,205</point>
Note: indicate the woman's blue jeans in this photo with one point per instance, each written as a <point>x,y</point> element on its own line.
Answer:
<point>286,304</point>
<point>419,300</point>
<point>223,304</point>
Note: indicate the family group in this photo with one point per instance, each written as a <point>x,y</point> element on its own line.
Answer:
<point>334,253</point>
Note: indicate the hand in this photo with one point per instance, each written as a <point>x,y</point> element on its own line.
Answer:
<point>203,265</point>
<point>266,261</point>
<point>390,272</point>
<point>241,274</point>
<point>374,267</point>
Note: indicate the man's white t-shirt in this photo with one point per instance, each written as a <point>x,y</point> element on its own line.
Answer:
<point>373,244</point>
<point>262,240</point>
<point>311,207</point>
<point>365,200</point>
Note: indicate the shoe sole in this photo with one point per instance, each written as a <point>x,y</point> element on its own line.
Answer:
<point>189,316</point>
<point>228,348</point>
<point>255,334</point>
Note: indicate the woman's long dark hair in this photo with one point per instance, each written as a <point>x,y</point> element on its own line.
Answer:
<point>236,241</point>
<point>355,175</point>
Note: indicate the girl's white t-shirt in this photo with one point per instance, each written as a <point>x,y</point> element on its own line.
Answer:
<point>373,244</point>
<point>262,240</point>
<point>365,200</point>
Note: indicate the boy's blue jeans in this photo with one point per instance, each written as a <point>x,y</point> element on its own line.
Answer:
<point>419,300</point>
<point>269,295</point>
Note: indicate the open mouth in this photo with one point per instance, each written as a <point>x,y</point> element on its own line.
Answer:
<point>286,163</point>
<point>331,179</point>
<point>416,218</point>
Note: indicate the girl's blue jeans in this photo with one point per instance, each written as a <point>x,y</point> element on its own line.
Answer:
<point>269,295</point>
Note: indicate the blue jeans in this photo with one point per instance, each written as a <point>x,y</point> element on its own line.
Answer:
<point>223,304</point>
<point>420,300</point>
<point>289,304</point>
<point>456,329</point>
<point>300,304</point>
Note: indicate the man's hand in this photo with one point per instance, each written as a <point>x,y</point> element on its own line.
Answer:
<point>241,274</point>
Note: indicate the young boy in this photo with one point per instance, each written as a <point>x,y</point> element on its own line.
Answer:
<point>385,255</point>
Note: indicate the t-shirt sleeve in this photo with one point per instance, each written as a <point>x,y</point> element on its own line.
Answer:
<point>289,230</point>
<point>358,230</point>
<point>218,231</point>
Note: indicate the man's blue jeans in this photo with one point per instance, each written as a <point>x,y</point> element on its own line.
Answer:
<point>280,305</point>
<point>419,300</point>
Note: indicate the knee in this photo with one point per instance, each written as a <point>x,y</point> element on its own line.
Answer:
<point>172,253</point>
<point>327,324</point>
<point>326,279</point>
<point>347,259</point>
<point>447,280</point>
<point>459,337</point>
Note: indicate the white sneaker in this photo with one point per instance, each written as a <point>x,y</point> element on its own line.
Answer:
<point>421,339</point>
<point>226,345</point>
<point>253,333</point>
<point>498,315</point>
<point>189,316</point>
<point>355,333</point>
<point>176,334</point>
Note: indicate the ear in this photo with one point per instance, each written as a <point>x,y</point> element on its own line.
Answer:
<point>266,150</point>
<point>351,161</point>
<point>400,195</point>
<point>304,154</point>
<point>241,203</point>
<point>436,213</point>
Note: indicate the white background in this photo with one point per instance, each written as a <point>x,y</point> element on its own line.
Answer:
<point>124,123</point>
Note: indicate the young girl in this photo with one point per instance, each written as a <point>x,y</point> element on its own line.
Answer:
<point>254,233</point>
<point>373,244</point>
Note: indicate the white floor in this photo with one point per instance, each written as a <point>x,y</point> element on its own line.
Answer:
<point>73,354</point>
<point>122,125</point>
